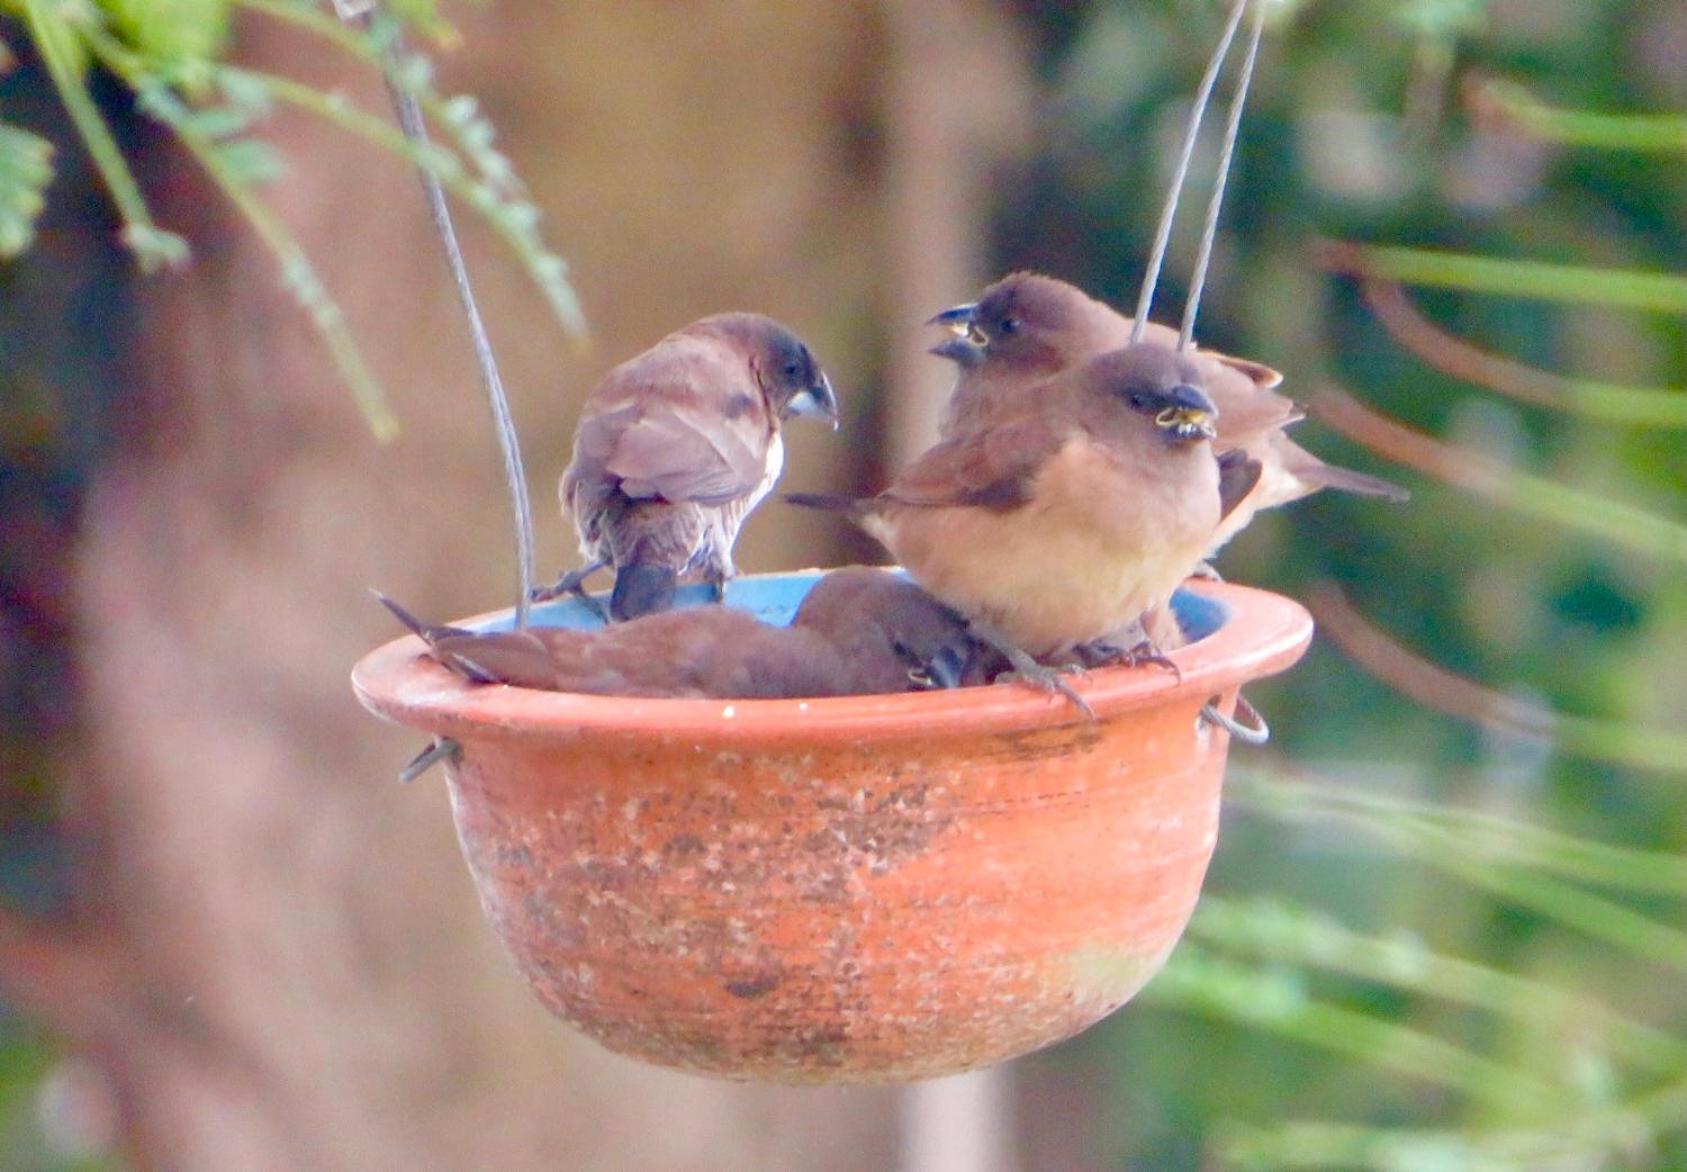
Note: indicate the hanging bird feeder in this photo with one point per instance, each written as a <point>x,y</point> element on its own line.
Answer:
<point>871,888</point>
<point>860,889</point>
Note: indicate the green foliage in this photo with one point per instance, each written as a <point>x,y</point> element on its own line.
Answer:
<point>1665,293</point>
<point>1281,968</point>
<point>55,30</point>
<point>1386,972</point>
<point>175,34</point>
<point>168,54</point>
<point>488,183</point>
<point>1664,133</point>
<point>26,167</point>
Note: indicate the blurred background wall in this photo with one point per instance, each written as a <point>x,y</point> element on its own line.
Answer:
<point>234,942</point>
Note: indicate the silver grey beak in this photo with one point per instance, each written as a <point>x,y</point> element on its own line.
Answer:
<point>958,319</point>
<point>962,351</point>
<point>816,402</point>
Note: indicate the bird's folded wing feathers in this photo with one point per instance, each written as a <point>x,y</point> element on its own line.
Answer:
<point>676,453</point>
<point>1262,375</point>
<point>1238,473</point>
<point>991,468</point>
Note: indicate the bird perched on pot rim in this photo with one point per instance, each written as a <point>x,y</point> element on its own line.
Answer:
<point>1082,505</point>
<point>859,631</point>
<point>676,446</point>
<point>1027,327</point>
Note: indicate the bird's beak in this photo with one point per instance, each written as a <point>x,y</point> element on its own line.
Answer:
<point>817,402</point>
<point>960,350</point>
<point>946,668</point>
<point>961,321</point>
<point>1189,413</point>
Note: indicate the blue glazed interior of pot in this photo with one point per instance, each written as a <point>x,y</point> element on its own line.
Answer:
<point>773,598</point>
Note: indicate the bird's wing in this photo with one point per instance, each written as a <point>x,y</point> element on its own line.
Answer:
<point>679,448</point>
<point>1238,473</point>
<point>991,468</point>
<point>1258,373</point>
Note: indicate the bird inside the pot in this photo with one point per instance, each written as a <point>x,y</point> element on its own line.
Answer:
<point>675,448</point>
<point>859,631</point>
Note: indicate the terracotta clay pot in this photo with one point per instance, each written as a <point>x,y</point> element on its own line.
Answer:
<point>874,888</point>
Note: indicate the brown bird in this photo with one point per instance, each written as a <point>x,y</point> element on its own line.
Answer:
<point>1080,506</point>
<point>1027,327</point>
<point>674,449</point>
<point>859,631</point>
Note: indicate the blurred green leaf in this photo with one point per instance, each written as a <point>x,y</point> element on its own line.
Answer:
<point>1662,292</point>
<point>1600,918</point>
<point>1277,1002</point>
<point>1434,830</point>
<point>1515,105</point>
<point>1481,474</point>
<point>170,32</point>
<point>229,166</point>
<point>498,196</point>
<point>1442,18</point>
<point>26,168</point>
<point>1281,933</point>
<point>65,55</point>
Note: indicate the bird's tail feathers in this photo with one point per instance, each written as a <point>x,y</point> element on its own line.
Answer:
<point>429,633</point>
<point>497,657</point>
<point>827,502</point>
<point>1347,480</point>
<point>640,589</point>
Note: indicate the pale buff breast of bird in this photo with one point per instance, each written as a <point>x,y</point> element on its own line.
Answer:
<point>1064,521</point>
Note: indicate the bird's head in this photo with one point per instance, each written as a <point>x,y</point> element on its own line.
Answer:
<point>890,632</point>
<point>1157,384</point>
<point>1026,321</point>
<point>784,366</point>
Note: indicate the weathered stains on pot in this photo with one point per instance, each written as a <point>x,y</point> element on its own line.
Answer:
<point>845,894</point>
<point>870,920</point>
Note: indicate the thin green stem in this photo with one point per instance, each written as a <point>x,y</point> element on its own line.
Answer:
<point>1472,834</point>
<point>1592,915</point>
<point>1277,932</point>
<point>298,273</point>
<point>1476,472</point>
<point>1595,1138</point>
<point>1441,845</point>
<point>1446,351</point>
<point>437,160</point>
<point>1435,687</point>
<point>1197,983</point>
<point>514,222</point>
<point>1622,288</point>
<point>55,40</point>
<point>1633,132</point>
<point>318,23</point>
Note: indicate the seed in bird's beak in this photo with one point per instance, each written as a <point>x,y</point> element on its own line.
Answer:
<point>1187,422</point>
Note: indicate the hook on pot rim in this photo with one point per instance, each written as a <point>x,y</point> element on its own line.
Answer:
<point>1256,732</point>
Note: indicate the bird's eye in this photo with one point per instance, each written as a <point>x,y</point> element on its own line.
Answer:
<point>1139,400</point>
<point>793,370</point>
<point>1010,325</point>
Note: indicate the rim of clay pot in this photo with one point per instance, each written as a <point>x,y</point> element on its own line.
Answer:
<point>1261,633</point>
